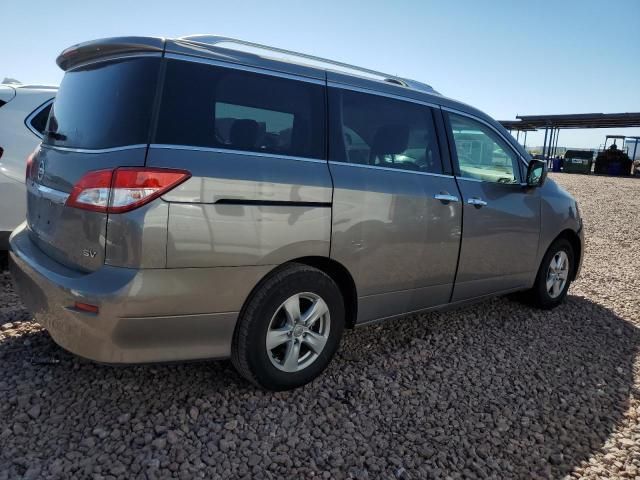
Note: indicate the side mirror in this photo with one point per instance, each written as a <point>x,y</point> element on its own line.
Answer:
<point>536,173</point>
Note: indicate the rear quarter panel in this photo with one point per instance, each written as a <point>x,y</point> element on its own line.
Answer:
<point>281,208</point>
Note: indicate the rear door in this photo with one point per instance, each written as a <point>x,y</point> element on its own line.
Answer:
<point>501,217</point>
<point>396,214</point>
<point>99,120</point>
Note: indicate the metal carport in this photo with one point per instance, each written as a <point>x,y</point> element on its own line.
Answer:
<point>552,125</point>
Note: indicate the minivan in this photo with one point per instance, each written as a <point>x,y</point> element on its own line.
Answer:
<point>205,197</point>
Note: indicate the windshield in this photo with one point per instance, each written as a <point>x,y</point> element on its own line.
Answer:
<point>105,104</point>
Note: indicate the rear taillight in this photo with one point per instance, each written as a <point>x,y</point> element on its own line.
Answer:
<point>29,172</point>
<point>123,189</point>
<point>92,191</point>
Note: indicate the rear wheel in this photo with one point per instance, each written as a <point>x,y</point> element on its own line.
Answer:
<point>554,276</point>
<point>289,329</point>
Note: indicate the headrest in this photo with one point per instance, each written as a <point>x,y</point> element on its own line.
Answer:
<point>390,139</point>
<point>244,133</point>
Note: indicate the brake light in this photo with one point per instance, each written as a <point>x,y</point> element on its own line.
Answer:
<point>123,189</point>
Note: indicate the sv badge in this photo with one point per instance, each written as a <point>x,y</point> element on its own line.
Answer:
<point>89,253</point>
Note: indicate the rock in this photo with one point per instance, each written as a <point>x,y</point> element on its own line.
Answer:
<point>34,412</point>
<point>159,443</point>
<point>124,418</point>
<point>194,412</point>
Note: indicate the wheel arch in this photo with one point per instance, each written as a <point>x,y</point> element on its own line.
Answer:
<point>343,279</point>
<point>572,237</point>
<point>333,269</point>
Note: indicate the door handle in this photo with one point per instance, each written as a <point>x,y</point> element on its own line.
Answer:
<point>446,198</point>
<point>476,202</point>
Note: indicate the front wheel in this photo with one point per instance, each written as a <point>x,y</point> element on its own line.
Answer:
<point>289,329</point>
<point>554,276</point>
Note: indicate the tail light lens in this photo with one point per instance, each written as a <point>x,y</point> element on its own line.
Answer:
<point>29,169</point>
<point>123,189</point>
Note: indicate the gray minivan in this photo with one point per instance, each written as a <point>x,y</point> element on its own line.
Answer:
<point>205,197</point>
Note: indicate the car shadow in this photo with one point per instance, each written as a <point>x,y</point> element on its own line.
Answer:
<point>492,388</point>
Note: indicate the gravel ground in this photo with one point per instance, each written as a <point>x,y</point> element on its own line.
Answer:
<point>495,390</point>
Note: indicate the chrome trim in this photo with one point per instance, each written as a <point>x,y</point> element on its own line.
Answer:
<point>347,86</point>
<point>27,121</point>
<point>240,66</point>
<point>120,56</point>
<point>234,152</point>
<point>94,150</point>
<point>375,167</point>
<point>445,197</point>
<point>55,196</point>
<point>481,120</point>
<point>467,179</point>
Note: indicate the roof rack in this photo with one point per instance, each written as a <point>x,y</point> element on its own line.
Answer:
<point>215,40</point>
<point>34,85</point>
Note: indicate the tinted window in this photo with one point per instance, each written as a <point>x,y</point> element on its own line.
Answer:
<point>39,121</point>
<point>375,130</point>
<point>106,104</point>
<point>208,106</point>
<point>482,155</point>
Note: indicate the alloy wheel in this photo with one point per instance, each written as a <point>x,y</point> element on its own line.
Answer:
<point>298,332</point>
<point>557,274</point>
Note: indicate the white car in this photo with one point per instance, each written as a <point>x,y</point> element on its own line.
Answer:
<point>24,110</point>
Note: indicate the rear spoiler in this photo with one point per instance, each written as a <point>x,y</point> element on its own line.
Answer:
<point>107,47</point>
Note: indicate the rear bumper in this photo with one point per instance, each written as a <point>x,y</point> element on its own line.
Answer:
<point>151,315</point>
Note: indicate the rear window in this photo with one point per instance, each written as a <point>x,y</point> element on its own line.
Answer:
<point>39,121</point>
<point>209,106</point>
<point>103,105</point>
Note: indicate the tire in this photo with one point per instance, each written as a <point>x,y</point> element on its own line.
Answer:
<point>539,295</point>
<point>270,313</point>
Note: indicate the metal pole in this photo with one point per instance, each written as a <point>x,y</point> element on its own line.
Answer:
<point>550,148</point>
<point>555,148</point>
<point>518,136</point>
<point>635,147</point>
<point>525,140</point>
<point>544,144</point>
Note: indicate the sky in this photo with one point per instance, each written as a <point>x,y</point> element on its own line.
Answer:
<point>504,57</point>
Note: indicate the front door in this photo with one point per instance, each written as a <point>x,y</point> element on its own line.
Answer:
<point>501,218</point>
<point>396,216</point>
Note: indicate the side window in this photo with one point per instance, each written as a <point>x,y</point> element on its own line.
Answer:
<point>482,155</point>
<point>211,106</point>
<point>374,130</point>
<point>39,121</point>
